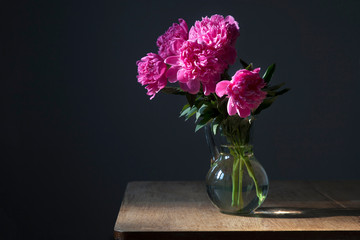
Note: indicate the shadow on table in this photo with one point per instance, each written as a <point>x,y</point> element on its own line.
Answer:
<point>279,212</point>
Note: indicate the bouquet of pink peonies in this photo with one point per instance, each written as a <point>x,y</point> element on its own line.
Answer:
<point>196,63</point>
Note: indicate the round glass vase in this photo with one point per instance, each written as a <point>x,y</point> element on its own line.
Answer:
<point>236,182</point>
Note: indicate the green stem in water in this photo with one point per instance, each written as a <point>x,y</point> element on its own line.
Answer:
<point>241,173</point>
<point>237,178</point>
<point>250,170</point>
<point>237,133</point>
<point>235,181</point>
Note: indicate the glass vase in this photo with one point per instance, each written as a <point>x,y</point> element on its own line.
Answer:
<point>236,182</point>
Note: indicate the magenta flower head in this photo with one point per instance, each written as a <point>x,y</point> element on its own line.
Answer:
<point>152,72</point>
<point>244,92</point>
<point>171,41</point>
<point>218,33</point>
<point>195,64</point>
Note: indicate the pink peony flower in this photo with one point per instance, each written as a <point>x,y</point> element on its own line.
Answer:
<point>152,72</point>
<point>232,29</point>
<point>195,63</point>
<point>171,41</point>
<point>244,92</point>
<point>218,33</point>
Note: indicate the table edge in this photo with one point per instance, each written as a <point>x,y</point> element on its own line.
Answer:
<point>232,235</point>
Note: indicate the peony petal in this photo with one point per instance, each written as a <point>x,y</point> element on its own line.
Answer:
<point>231,107</point>
<point>209,87</point>
<point>256,70</point>
<point>171,74</point>
<point>193,86</point>
<point>165,41</point>
<point>243,113</point>
<point>176,45</point>
<point>230,55</point>
<point>162,83</point>
<point>172,60</point>
<point>183,25</point>
<point>230,19</point>
<point>181,76</point>
<point>221,88</point>
<point>184,87</point>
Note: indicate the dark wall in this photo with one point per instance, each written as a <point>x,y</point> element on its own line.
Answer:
<point>76,126</point>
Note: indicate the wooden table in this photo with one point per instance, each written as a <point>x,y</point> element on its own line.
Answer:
<point>293,210</point>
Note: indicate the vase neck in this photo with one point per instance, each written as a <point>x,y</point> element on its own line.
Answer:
<point>237,131</point>
<point>234,132</point>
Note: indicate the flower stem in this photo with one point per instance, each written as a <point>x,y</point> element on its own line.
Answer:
<point>241,173</point>
<point>235,182</point>
<point>237,133</point>
<point>237,179</point>
<point>250,170</point>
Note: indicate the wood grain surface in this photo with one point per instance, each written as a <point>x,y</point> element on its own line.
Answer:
<point>292,210</point>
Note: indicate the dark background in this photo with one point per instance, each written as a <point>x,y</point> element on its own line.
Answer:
<point>76,126</point>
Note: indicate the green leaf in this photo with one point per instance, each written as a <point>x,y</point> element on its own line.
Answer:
<point>225,75</point>
<point>275,87</point>
<point>199,102</point>
<point>250,67</point>
<point>222,106</point>
<point>197,116</point>
<point>192,111</point>
<point>200,111</point>
<point>215,126</point>
<point>285,90</point>
<point>191,98</point>
<point>173,90</point>
<point>246,66</point>
<point>269,72</point>
<point>265,104</point>
<point>270,93</point>
<point>278,93</point>
<point>243,63</point>
<point>206,118</point>
<point>185,111</point>
<point>217,122</point>
<point>199,126</point>
<point>185,107</point>
<point>219,119</point>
